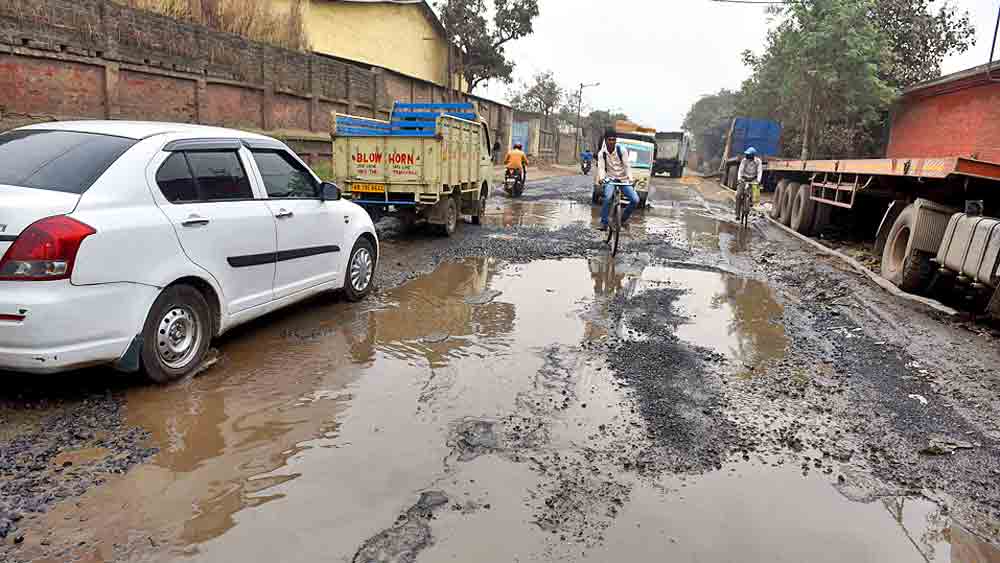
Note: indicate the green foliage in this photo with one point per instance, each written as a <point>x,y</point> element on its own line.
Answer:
<point>711,112</point>
<point>481,41</point>
<point>920,39</point>
<point>831,68</point>
<point>542,95</point>
<point>323,169</point>
<point>597,122</point>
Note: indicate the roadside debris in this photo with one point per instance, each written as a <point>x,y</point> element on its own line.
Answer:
<point>923,400</point>
<point>945,446</point>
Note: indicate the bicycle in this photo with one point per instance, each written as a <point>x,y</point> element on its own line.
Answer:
<point>744,202</point>
<point>615,216</point>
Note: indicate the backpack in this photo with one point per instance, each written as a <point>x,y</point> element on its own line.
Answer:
<point>618,150</point>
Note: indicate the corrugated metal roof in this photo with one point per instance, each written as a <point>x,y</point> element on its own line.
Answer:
<point>970,77</point>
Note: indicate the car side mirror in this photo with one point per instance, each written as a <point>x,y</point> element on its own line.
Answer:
<point>328,191</point>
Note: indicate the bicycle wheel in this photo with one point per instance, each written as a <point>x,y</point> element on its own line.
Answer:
<point>616,220</point>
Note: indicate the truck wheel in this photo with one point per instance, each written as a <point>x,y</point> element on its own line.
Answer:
<point>779,192</point>
<point>789,193</point>
<point>176,335</point>
<point>910,271</point>
<point>803,211</point>
<point>477,219</point>
<point>450,219</point>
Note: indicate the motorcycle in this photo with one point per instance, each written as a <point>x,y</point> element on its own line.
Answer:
<point>513,183</point>
<point>585,167</point>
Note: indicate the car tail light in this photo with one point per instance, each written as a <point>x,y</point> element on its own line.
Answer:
<point>45,250</point>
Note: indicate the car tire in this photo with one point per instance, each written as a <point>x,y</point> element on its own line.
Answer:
<point>360,273</point>
<point>176,335</point>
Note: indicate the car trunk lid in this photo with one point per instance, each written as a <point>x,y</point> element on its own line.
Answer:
<point>20,207</point>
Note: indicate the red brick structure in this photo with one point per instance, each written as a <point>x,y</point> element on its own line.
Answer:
<point>72,59</point>
<point>956,115</point>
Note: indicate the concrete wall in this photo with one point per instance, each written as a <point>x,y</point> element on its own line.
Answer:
<point>399,37</point>
<point>960,122</point>
<point>71,59</point>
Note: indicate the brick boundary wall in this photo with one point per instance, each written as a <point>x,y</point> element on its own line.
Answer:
<point>95,59</point>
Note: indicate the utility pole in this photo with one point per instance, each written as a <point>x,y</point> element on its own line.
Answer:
<point>579,112</point>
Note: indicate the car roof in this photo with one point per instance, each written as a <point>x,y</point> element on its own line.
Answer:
<point>143,129</point>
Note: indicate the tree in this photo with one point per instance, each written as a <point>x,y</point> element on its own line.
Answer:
<point>710,112</point>
<point>919,40</point>
<point>481,44</point>
<point>831,68</point>
<point>542,95</point>
<point>598,121</point>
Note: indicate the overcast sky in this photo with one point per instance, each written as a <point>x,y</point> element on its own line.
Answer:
<point>654,58</point>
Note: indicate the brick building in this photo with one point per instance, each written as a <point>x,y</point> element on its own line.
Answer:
<point>955,115</point>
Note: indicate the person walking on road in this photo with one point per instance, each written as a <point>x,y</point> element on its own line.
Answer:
<point>613,166</point>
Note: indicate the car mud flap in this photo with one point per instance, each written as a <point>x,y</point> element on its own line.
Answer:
<point>129,361</point>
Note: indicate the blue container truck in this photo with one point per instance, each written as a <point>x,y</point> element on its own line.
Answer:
<point>744,132</point>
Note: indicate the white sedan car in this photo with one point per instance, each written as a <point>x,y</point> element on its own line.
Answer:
<point>136,243</point>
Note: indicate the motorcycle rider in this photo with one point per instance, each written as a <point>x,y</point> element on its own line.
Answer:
<point>613,166</point>
<point>751,169</point>
<point>586,160</point>
<point>517,163</point>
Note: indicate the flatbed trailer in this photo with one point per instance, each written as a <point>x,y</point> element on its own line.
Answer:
<point>923,211</point>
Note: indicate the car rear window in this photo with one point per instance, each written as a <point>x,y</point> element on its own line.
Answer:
<point>64,161</point>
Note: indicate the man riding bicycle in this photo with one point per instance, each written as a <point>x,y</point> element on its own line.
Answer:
<point>751,169</point>
<point>517,163</point>
<point>613,166</point>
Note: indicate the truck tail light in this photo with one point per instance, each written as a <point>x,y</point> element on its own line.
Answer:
<point>45,250</point>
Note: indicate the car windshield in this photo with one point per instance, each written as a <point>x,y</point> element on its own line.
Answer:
<point>65,161</point>
<point>638,154</point>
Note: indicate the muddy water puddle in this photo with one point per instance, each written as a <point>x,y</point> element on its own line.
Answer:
<point>463,417</point>
<point>734,316</point>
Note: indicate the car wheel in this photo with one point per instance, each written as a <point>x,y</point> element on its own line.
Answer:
<point>176,335</point>
<point>360,270</point>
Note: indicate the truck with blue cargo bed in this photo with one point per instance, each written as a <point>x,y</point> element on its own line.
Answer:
<point>764,135</point>
<point>428,162</point>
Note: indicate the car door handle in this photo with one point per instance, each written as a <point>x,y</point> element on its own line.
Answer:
<point>195,221</point>
<point>283,213</point>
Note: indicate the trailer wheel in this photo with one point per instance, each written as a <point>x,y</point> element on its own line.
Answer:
<point>791,190</point>
<point>909,270</point>
<point>779,193</point>
<point>803,211</point>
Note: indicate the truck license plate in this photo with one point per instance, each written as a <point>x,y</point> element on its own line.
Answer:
<point>368,188</point>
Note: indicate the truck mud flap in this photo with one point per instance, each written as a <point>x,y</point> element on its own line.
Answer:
<point>882,235</point>
<point>993,309</point>
<point>437,214</point>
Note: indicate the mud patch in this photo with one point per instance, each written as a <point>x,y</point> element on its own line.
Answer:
<point>409,535</point>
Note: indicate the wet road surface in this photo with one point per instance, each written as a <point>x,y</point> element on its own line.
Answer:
<point>516,394</point>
